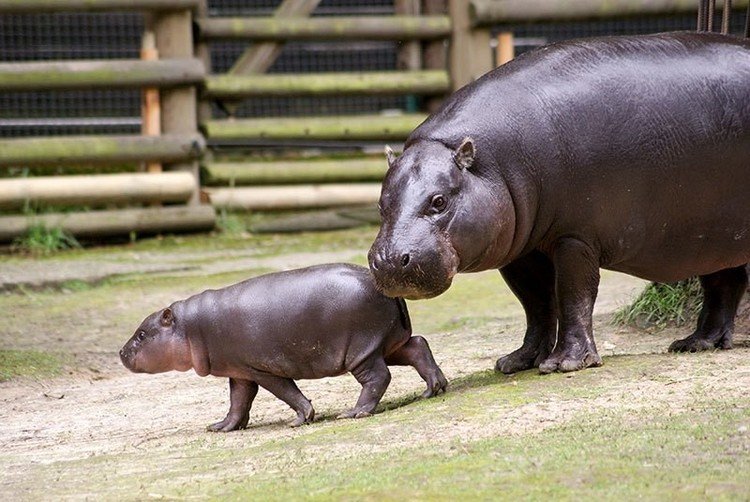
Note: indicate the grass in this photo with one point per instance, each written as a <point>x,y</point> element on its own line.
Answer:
<point>40,240</point>
<point>28,363</point>
<point>660,305</point>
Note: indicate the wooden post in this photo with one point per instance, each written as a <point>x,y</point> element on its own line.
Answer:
<point>409,55</point>
<point>470,55</point>
<point>505,50</point>
<point>435,53</point>
<point>173,32</point>
<point>203,53</point>
<point>150,106</point>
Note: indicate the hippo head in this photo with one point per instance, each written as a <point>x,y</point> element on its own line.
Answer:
<point>439,217</point>
<point>157,346</point>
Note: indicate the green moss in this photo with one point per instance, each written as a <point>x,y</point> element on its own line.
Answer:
<point>28,363</point>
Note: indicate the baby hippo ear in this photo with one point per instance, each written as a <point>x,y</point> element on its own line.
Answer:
<point>390,155</point>
<point>464,155</point>
<point>167,318</point>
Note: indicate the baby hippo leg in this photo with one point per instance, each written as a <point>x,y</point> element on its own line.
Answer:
<point>241,396</point>
<point>374,377</point>
<point>416,352</point>
<point>286,390</point>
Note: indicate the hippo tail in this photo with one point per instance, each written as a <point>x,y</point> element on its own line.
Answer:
<point>404,314</point>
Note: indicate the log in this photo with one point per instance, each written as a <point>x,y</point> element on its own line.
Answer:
<point>470,53</point>
<point>99,149</point>
<point>278,29</point>
<point>295,197</point>
<point>97,190</point>
<point>339,83</point>
<point>37,6</point>
<point>489,12</point>
<point>116,222</point>
<point>355,127</point>
<point>50,75</point>
<point>296,171</point>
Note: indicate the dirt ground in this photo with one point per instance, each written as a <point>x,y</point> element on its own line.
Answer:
<point>53,430</point>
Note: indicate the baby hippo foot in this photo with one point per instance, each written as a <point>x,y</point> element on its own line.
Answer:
<point>573,358</point>
<point>230,423</point>
<point>702,340</point>
<point>521,359</point>
<point>436,384</point>
<point>355,413</point>
<point>304,416</point>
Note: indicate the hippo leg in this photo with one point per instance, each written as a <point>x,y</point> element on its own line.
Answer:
<point>722,293</point>
<point>416,352</point>
<point>286,390</point>
<point>374,377</point>
<point>532,280</point>
<point>576,285</point>
<point>241,396</point>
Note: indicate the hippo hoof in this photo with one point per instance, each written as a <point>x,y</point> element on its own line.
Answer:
<point>565,364</point>
<point>227,425</point>
<point>355,414</point>
<point>698,342</point>
<point>436,386</point>
<point>513,363</point>
<point>305,416</point>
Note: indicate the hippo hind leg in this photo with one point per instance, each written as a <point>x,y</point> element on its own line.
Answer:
<point>416,352</point>
<point>374,377</point>
<point>722,293</point>
<point>241,396</point>
<point>532,280</point>
<point>286,390</point>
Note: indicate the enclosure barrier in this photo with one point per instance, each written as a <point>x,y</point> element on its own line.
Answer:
<point>295,197</point>
<point>295,171</point>
<point>38,6</point>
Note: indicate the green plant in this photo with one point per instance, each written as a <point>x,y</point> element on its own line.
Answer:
<point>230,223</point>
<point>40,240</point>
<point>662,304</point>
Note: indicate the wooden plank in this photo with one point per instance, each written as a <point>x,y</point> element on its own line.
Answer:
<point>470,54</point>
<point>339,83</point>
<point>115,222</point>
<point>401,27</point>
<point>37,6</point>
<point>67,150</point>
<point>110,73</point>
<point>295,171</point>
<point>97,190</point>
<point>295,197</point>
<point>490,12</point>
<point>505,50</point>
<point>150,103</point>
<point>356,127</point>
<point>435,52</point>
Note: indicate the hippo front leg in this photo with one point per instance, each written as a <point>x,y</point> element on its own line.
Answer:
<point>286,390</point>
<point>241,396</point>
<point>532,280</point>
<point>576,284</point>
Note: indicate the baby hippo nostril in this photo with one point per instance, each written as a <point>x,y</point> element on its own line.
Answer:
<point>405,260</point>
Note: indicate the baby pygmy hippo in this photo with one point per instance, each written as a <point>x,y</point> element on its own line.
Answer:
<point>268,331</point>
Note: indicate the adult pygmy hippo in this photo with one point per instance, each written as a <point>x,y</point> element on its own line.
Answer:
<point>625,153</point>
<point>270,330</point>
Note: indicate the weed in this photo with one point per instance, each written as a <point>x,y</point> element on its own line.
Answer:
<point>40,240</point>
<point>662,304</point>
<point>230,223</point>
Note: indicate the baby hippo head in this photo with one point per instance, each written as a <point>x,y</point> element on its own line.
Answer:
<point>157,346</point>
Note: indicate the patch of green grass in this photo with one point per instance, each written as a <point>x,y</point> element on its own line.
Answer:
<point>230,223</point>
<point>41,240</point>
<point>28,363</point>
<point>662,304</point>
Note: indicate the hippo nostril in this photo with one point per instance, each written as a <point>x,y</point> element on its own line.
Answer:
<point>405,259</point>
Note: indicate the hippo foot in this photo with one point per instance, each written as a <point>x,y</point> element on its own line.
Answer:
<point>699,341</point>
<point>520,360</point>
<point>230,423</point>
<point>436,385</point>
<point>569,360</point>
<point>355,413</point>
<point>305,416</point>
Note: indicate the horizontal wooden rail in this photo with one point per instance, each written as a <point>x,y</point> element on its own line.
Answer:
<point>296,171</point>
<point>66,150</point>
<point>489,12</point>
<point>328,28</point>
<point>295,197</point>
<point>98,190</point>
<point>105,73</point>
<point>194,218</point>
<point>354,127</point>
<point>340,83</point>
<point>36,6</point>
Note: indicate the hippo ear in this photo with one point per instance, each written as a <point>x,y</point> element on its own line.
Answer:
<point>167,318</point>
<point>464,155</point>
<point>390,155</point>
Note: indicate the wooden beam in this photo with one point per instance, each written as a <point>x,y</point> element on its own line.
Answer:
<point>37,6</point>
<point>66,150</point>
<point>295,197</point>
<point>356,127</point>
<point>490,12</point>
<point>97,190</point>
<point>296,171</point>
<point>505,50</point>
<point>99,74</point>
<point>470,53</point>
<point>339,83</point>
<point>435,52</point>
<point>115,222</point>
<point>276,29</point>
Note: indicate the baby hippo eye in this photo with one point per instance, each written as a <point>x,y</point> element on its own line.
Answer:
<point>141,335</point>
<point>438,203</point>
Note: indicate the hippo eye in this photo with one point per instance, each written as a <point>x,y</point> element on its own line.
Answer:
<point>438,203</point>
<point>141,335</point>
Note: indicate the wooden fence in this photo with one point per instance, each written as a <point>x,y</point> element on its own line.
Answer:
<point>174,75</point>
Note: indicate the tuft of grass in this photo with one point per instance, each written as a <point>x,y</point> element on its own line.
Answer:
<point>662,304</point>
<point>28,363</point>
<point>230,223</point>
<point>40,240</point>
